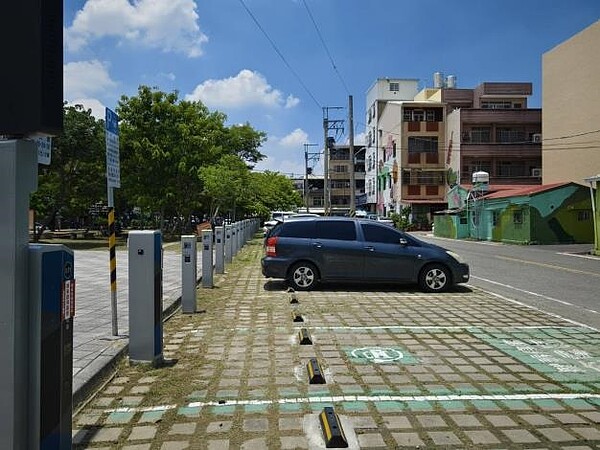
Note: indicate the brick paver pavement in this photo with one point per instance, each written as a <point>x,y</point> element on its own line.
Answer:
<point>465,369</point>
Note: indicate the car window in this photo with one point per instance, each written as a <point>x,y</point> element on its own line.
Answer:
<point>298,229</point>
<point>385,235</point>
<point>336,229</point>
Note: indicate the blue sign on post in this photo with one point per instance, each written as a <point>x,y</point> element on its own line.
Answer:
<point>113,168</point>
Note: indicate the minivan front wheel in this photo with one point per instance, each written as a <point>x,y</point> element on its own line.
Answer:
<point>303,276</point>
<point>434,278</point>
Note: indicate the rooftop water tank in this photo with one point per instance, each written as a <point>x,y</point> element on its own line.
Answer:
<point>481,180</point>
<point>438,80</point>
<point>451,81</point>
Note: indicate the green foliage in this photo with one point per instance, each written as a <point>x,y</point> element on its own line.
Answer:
<point>178,159</point>
<point>75,178</point>
<point>401,220</point>
<point>168,146</point>
<point>272,191</point>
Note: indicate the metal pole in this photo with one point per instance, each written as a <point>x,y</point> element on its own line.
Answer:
<point>306,177</point>
<point>352,165</point>
<point>112,242</point>
<point>325,167</point>
<point>18,179</point>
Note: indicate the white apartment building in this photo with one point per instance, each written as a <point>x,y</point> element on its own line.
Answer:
<point>381,91</point>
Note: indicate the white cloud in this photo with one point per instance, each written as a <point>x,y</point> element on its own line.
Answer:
<point>359,139</point>
<point>291,101</point>
<point>98,109</point>
<point>169,76</point>
<point>295,139</point>
<point>168,25</point>
<point>283,166</point>
<point>84,79</point>
<point>247,88</point>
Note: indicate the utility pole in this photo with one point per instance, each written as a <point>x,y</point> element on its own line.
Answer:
<point>336,125</point>
<point>352,162</point>
<point>308,157</point>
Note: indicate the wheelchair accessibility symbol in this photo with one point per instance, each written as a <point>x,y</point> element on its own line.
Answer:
<point>378,355</point>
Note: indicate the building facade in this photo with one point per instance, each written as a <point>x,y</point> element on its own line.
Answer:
<point>311,187</point>
<point>496,133</point>
<point>570,98</point>
<point>559,213</point>
<point>381,91</point>
<point>412,168</point>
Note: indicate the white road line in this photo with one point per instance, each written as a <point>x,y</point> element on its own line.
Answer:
<point>576,255</point>
<point>535,294</point>
<point>365,398</point>
<point>510,300</point>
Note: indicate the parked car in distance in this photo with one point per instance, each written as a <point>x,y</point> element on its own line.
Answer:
<point>276,217</point>
<point>378,218</point>
<point>306,251</point>
<point>268,226</point>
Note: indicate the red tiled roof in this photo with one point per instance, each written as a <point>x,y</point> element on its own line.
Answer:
<point>518,191</point>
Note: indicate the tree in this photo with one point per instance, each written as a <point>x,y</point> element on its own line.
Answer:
<point>75,178</point>
<point>272,191</point>
<point>165,144</point>
<point>225,184</point>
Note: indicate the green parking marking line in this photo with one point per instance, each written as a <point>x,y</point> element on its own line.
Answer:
<point>416,401</point>
<point>566,355</point>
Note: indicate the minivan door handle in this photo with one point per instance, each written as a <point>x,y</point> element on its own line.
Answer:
<point>317,245</point>
<point>370,248</point>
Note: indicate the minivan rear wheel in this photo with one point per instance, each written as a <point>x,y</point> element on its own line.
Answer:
<point>303,276</point>
<point>434,278</point>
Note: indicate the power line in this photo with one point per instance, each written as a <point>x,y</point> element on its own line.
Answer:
<point>573,135</point>
<point>546,147</point>
<point>280,54</point>
<point>325,47</point>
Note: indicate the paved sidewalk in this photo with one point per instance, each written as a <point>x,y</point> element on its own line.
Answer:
<point>95,350</point>
<point>403,369</point>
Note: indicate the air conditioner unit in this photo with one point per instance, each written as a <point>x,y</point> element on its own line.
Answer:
<point>536,138</point>
<point>537,172</point>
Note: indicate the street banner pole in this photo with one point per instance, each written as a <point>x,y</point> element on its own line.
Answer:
<point>113,179</point>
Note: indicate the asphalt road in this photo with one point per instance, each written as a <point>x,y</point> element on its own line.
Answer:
<point>556,279</point>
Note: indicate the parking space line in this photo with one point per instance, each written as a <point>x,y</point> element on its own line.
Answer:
<point>366,398</point>
<point>431,328</point>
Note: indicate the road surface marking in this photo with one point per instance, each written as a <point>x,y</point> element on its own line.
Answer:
<point>550,266</point>
<point>533,307</point>
<point>366,398</point>
<point>562,302</point>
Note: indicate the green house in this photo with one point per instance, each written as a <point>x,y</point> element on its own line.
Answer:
<point>559,213</point>
<point>452,222</point>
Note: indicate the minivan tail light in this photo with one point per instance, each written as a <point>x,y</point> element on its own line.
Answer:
<point>271,244</point>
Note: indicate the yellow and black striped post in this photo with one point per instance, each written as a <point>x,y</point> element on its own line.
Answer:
<point>112,242</point>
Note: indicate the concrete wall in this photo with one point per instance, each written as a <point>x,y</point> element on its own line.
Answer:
<point>571,106</point>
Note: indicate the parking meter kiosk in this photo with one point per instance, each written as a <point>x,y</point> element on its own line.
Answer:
<point>207,258</point>
<point>52,307</point>
<point>145,297</point>
<point>189,272</point>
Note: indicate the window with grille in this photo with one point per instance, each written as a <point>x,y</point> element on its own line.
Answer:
<point>417,144</point>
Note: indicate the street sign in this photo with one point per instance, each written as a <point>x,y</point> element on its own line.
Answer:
<point>113,168</point>
<point>44,146</point>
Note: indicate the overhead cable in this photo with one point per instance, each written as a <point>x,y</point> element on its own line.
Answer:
<point>325,47</point>
<point>260,27</point>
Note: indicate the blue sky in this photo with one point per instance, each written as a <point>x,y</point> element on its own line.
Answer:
<point>213,51</point>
